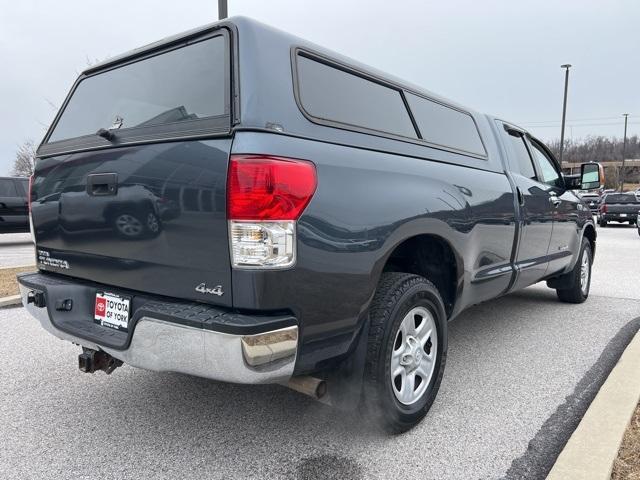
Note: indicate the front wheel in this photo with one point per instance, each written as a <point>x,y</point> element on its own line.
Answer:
<point>406,351</point>
<point>581,281</point>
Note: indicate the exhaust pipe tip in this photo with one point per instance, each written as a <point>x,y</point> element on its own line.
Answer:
<point>313,387</point>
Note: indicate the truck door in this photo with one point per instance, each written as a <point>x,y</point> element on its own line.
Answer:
<point>536,211</point>
<point>564,238</point>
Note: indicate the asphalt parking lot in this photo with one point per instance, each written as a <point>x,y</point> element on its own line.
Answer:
<point>520,369</point>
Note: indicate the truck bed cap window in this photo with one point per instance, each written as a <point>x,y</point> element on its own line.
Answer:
<point>445,126</point>
<point>331,94</point>
<point>187,83</point>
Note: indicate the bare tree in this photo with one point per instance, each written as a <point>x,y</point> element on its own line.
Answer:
<point>597,149</point>
<point>25,159</point>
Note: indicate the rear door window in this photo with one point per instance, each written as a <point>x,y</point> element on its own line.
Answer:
<point>520,160</point>
<point>7,188</point>
<point>176,90</point>
<point>446,126</point>
<point>328,93</point>
<point>23,187</point>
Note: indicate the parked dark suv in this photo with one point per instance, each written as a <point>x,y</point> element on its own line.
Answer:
<point>14,215</point>
<point>332,219</point>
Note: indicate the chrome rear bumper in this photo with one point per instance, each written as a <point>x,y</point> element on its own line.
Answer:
<point>164,346</point>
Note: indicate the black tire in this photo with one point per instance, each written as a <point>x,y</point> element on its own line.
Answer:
<point>575,294</point>
<point>603,223</point>
<point>397,294</point>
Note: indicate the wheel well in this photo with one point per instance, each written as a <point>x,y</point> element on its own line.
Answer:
<point>590,234</point>
<point>431,257</point>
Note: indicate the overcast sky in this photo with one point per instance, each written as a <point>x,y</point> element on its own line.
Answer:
<point>496,56</point>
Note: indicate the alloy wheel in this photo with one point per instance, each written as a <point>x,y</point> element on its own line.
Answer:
<point>413,356</point>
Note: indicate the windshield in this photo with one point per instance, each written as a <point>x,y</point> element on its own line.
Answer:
<point>187,83</point>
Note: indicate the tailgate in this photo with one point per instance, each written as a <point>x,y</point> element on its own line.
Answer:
<point>630,208</point>
<point>161,229</point>
<point>130,186</point>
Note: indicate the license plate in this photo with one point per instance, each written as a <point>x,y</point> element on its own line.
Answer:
<point>112,311</point>
<point>623,214</point>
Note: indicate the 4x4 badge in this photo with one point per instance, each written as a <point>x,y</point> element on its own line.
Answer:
<point>202,288</point>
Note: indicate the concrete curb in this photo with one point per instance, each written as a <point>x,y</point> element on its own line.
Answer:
<point>10,301</point>
<point>590,452</point>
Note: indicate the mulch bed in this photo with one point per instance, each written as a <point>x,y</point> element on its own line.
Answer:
<point>8,283</point>
<point>627,465</point>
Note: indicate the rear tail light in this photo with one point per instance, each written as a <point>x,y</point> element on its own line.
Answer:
<point>265,197</point>
<point>604,209</point>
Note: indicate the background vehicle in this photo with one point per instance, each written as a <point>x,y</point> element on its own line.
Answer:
<point>618,207</point>
<point>592,200</point>
<point>333,219</point>
<point>14,205</point>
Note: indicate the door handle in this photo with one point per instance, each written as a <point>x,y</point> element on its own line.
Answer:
<point>555,201</point>
<point>102,184</point>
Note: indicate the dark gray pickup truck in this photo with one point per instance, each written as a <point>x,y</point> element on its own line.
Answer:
<point>240,204</point>
<point>618,207</point>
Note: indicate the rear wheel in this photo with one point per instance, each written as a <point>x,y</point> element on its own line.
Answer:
<point>406,351</point>
<point>603,223</point>
<point>581,274</point>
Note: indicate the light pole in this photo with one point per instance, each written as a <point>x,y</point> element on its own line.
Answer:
<point>624,151</point>
<point>566,66</point>
<point>222,9</point>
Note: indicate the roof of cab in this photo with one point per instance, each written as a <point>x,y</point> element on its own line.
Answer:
<point>245,25</point>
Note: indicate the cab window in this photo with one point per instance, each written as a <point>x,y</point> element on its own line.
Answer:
<point>548,172</point>
<point>520,160</point>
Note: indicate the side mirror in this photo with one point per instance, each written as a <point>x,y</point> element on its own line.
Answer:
<point>590,176</point>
